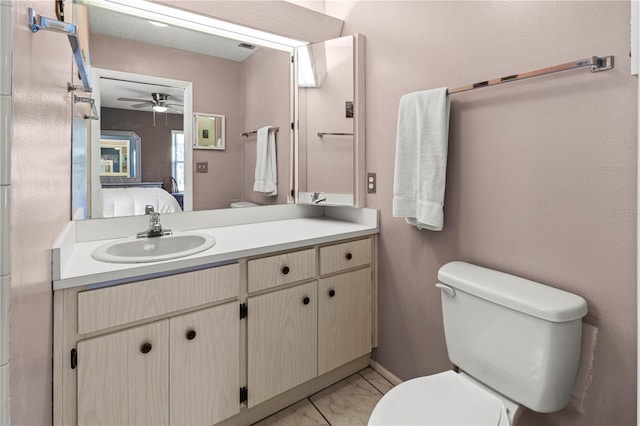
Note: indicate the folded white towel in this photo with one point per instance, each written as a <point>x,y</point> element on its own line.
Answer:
<point>266,176</point>
<point>421,158</point>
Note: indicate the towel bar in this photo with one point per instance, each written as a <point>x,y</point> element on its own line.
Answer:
<point>253,132</point>
<point>596,64</point>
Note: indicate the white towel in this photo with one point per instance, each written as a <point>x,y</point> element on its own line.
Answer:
<point>421,158</point>
<point>266,177</point>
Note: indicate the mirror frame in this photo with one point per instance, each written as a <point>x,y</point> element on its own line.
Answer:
<point>187,117</point>
<point>196,135</point>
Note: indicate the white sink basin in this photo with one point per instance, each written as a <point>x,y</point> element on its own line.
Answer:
<point>153,249</point>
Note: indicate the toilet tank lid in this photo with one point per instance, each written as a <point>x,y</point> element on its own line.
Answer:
<point>513,292</point>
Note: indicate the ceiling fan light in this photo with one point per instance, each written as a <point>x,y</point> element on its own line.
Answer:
<point>160,108</point>
<point>157,24</point>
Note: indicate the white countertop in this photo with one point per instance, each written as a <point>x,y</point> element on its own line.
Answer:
<point>232,242</point>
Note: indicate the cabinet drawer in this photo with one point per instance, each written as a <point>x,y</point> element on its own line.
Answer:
<point>344,256</point>
<point>118,305</point>
<point>283,269</point>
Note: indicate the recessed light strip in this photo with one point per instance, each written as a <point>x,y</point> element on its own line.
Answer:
<point>159,13</point>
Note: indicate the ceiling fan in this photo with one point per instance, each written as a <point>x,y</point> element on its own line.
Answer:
<point>159,102</point>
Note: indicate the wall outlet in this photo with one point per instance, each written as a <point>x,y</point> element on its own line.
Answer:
<point>371,183</point>
<point>348,106</point>
<point>202,167</point>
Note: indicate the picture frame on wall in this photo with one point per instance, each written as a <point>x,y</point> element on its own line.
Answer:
<point>209,131</point>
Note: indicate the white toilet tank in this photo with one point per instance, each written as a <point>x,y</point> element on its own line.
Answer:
<point>519,337</point>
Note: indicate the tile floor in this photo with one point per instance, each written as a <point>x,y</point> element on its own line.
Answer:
<point>347,403</point>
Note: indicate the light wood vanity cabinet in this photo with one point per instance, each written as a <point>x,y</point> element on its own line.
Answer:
<point>123,377</point>
<point>227,344</point>
<point>282,341</point>
<point>304,331</point>
<point>127,377</point>
<point>344,318</point>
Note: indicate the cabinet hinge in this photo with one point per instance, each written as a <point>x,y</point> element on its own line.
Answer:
<point>244,395</point>
<point>74,359</point>
<point>293,126</point>
<point>244,311</point>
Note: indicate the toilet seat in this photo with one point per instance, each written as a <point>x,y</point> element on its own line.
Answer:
<point>441,399</point>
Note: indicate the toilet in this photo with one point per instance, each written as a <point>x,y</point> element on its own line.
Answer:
<point>240,204</point>
<point>515,342</point>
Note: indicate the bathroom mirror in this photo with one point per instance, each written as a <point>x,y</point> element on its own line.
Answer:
<point>331,141</point>
<point>250,86</point>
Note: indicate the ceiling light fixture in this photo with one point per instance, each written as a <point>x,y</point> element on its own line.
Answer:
<point>157,24</point>
<point>193,21</point>
<point>159,108</point>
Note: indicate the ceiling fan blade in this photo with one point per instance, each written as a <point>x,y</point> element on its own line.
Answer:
<point>173,105</point>
<point>134,100</point>
<point>146,104</point>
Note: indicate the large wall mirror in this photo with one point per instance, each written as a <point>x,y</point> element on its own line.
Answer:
<point>330,140</point>
<point>148,79</point>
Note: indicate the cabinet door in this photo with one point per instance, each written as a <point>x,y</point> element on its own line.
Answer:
<point>282,333</point>
<point>123,377</point>
<point>344,318</point>
<point>205,362</point>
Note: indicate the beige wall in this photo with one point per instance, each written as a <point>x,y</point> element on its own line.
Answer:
<point>40,209</point>
<point>216,90</point>
<point>541,178</point>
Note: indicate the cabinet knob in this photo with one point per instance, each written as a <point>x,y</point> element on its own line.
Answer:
<point>191,334</point>
<point>349,256</point>
<point>146,348</point>
<point>332,293</point>
<point>285,270</point>
<point>306,300</point>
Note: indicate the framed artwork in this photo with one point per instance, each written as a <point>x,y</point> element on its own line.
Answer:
<point>209,131</point>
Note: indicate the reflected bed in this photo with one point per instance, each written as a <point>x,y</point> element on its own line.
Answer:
<point>131,201</point>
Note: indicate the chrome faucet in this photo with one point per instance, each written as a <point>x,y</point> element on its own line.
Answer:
<point>315,198</point>
<point>155,229</point>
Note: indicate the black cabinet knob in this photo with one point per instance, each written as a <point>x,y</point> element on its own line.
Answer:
<point>146,348</point>
<point>285,270</point>
<point>349,256</point>
<point>332,293</point>
<point>306,300</point>
<point>191,334</point>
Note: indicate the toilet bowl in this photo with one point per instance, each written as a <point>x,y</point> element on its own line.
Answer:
<point>515,341</point>
<point>240,204</point>
<point>444,399</point>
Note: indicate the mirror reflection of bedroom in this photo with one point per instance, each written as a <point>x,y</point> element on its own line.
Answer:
<point>141,147</point>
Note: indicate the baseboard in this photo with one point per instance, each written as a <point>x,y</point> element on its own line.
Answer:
<point>395,380</point>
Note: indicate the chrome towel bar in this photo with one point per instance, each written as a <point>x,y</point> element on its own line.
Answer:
<point>321,134</point>
<point>37,23</point>
<point>596,64</point>
<point>253,132</point>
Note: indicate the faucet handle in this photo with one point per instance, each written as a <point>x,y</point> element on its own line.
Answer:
<point>148,209</point>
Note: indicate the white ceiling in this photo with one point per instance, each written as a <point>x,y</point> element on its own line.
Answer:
<point>107,22</point>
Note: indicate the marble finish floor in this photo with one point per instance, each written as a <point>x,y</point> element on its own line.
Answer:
<point>346,403</point>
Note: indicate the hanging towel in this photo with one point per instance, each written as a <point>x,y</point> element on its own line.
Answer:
<point>421,158</point>
<point>266,166</point>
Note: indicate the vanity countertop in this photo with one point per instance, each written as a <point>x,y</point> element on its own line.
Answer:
<point>232,243</point>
